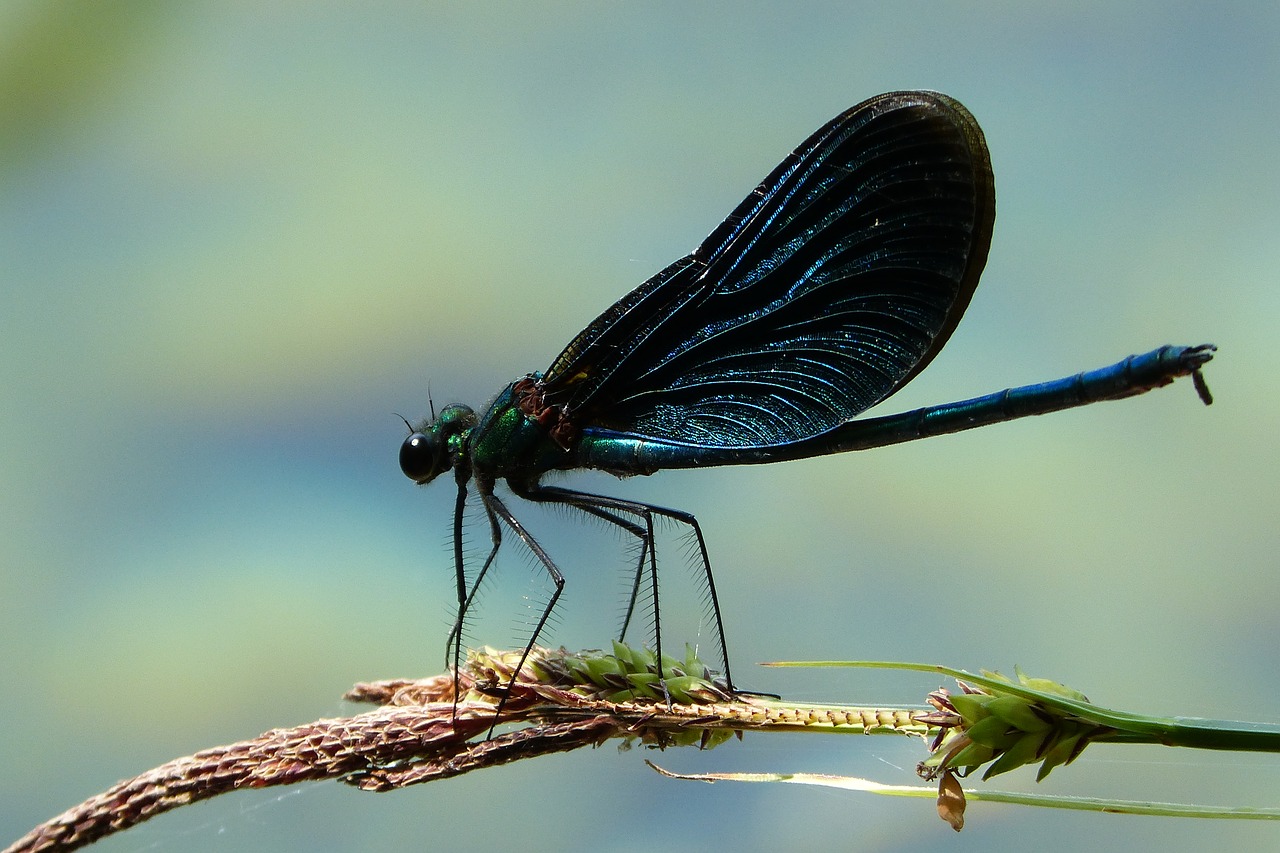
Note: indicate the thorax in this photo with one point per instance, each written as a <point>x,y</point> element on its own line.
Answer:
<point>509,442</point>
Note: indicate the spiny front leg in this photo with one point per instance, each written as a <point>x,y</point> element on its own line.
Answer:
<point>497,509</point>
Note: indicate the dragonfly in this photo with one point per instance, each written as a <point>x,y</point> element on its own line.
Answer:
<point>831,286</point>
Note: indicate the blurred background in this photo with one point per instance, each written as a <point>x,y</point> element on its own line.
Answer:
<point>235,239</point>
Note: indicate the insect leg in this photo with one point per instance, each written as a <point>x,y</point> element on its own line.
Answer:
<point>453,645</point>
<point>646,545</point>
<point>497,509</point>
<point>604,506</point>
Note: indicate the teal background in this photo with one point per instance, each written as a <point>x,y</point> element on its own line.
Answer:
<point>236,237</point>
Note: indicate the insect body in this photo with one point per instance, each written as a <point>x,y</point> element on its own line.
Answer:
<point>833,284</point>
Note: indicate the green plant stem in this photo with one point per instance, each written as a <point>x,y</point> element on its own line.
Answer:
<point>1191,732</point>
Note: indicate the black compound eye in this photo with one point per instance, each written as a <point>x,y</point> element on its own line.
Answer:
<point>420,458</point>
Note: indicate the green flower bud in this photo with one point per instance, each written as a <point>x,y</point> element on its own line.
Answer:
<point>970,706</point>
<point>1018,712</point>
<point>1022,752</point>
<point>993,732</point>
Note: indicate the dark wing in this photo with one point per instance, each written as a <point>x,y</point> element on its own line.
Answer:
<point>834,283</point>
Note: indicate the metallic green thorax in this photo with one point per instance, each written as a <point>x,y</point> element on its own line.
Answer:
<point>509,443</point>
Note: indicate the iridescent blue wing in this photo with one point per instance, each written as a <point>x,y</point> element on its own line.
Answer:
<point>835,282</point>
